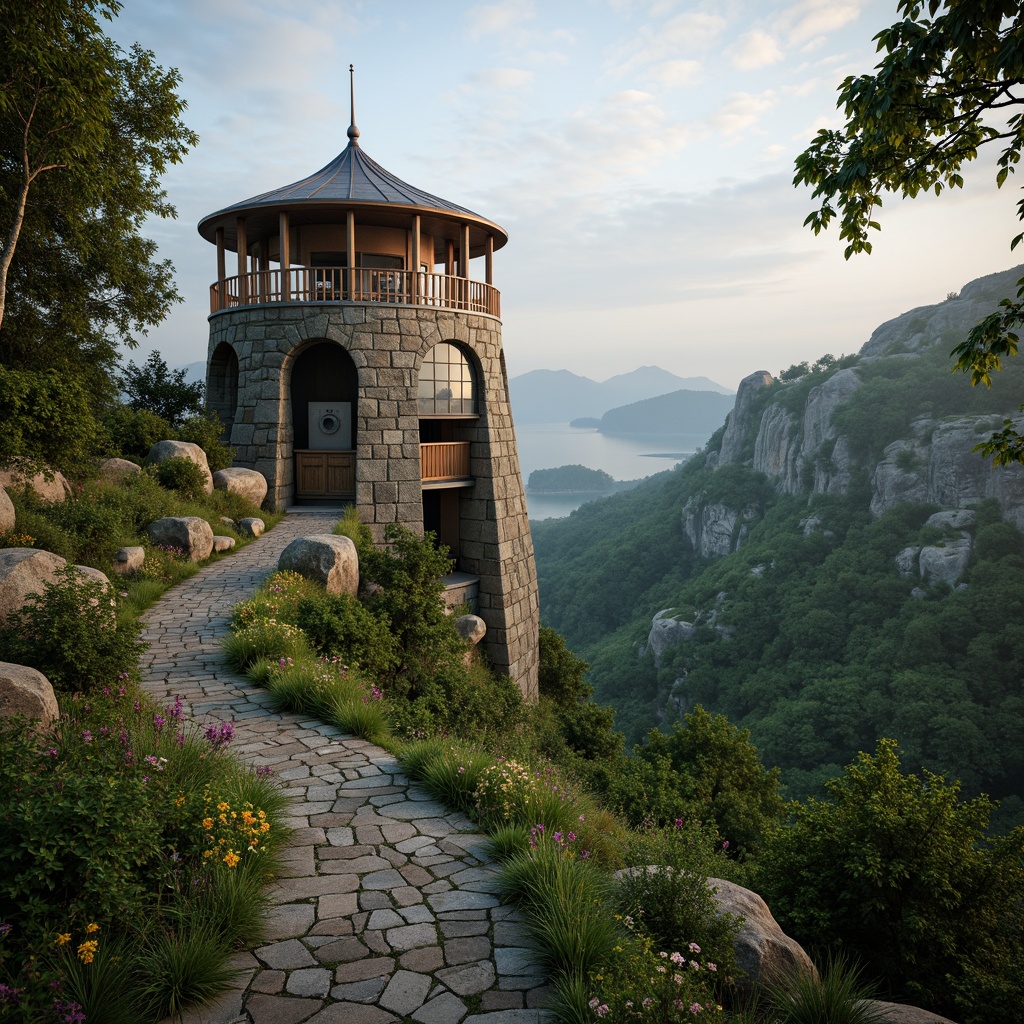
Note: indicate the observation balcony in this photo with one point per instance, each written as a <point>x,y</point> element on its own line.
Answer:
<point>331,284</point>
<point>445,464</point>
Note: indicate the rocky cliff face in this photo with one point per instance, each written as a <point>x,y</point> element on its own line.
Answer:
<point>793,439</point>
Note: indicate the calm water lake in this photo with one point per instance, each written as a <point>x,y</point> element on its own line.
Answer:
<point>549,445</point>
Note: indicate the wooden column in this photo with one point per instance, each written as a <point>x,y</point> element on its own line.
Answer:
<point>263,265</point>
<point>489,258</point>
<point>415,297</point>
<point>222,299</point>
<point>464,268</point>
<point>449,258</point>
<point>284,230</point>
<point>243,262</point>
<point>350,244</point>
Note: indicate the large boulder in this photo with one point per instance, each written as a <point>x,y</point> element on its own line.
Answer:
<point>666,633</point>
<point>24,571</point>
<point>164,450</point>
<point>328,559</point>
<point>946,562</point>
<point>24,691</point>
<point>129,559</point>
<point>898,1013</point>
<point>190,533</point>
<point>764,952</point>
<point>251,526</point>
<point>6,512</point>
<point>249,483</point>
<point>471,628</point>
<point>52,490</point>
<point>116,471</point>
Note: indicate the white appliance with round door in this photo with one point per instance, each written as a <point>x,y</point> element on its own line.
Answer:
<point>330,426</point>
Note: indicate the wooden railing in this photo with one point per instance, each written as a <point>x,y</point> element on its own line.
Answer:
<point>444,460</point>
<point>331,284</point>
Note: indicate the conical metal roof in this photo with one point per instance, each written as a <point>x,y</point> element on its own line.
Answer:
<point>352,177</point>
<point>353,180</point>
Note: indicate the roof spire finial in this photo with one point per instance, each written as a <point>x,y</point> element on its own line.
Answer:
<point>353,131</point>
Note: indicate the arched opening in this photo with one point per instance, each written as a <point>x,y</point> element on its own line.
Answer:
<point>222,386</point>
<point>447,383</point>
<point>324,392</point>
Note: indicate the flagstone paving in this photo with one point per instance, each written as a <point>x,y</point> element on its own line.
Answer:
<point>385,909</point>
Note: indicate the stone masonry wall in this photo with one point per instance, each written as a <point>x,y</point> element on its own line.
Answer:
<point>387,343</point>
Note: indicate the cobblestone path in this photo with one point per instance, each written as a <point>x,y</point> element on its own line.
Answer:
<point>385,908</point>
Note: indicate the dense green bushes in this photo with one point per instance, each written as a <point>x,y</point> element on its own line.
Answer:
<point>71,633</point>
<point>899,872</point>
<point>134,848</point>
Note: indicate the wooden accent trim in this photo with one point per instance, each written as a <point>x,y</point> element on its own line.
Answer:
<point>320,284</point>
<point>243,262</point>
<point>489,260</point>
<point>444,460</point>
<point>414,263</point>
<point>350,240</point>
<point>464,253</point>
<point>284,235</point>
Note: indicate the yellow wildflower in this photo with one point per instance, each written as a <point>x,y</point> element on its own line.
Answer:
<point>207,823</point>
<point>87,950</point>
<point>91,927</point>
<point>231,858</point>
<point>62,939</point>
<point>223,806</point>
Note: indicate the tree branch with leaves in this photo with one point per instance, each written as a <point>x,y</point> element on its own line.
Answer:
<point>86,132</point>
<point>941,92</point>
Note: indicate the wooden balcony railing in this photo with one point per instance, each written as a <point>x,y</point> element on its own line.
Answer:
<point>444,460</point>
<point>331,284</point>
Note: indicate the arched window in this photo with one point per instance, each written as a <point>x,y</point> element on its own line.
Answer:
<point>447,386</point>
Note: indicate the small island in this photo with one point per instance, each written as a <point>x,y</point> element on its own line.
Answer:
<point>585,423</point>
<point>570,480</point>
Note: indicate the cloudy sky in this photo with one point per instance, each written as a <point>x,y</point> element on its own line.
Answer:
<point>638,152</point>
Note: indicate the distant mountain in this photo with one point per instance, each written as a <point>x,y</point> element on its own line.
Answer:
<point>679,413</point>
<point>558,396</point>
<point>195,371</point>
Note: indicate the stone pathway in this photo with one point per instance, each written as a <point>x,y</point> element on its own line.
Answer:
<point>385,908</point>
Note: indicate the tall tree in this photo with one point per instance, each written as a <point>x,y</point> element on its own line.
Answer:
<point>86,131</point>
<point>950,82</point>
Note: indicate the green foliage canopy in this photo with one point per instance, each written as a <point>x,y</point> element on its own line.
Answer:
<point>951,71</point>
<point>86,131</point>
<point>160,390</point>
<point>47,420</point>
<point>897,870</point>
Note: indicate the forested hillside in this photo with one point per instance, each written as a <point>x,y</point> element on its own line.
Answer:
<point>834,567</point>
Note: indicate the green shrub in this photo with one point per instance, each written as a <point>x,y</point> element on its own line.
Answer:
<point>838,996</point>
<point>566,904</point>
<point>206,430</point>
<point>278,598</point>
<point>182,475</point>
<point>71,634</point>
<point>339,625</point>
<point>130,433</point>
<point>409,574</point>
<point>641,981</point>
<point>666,896</point>
<point>267,640</point>
<point>351,526</point>
<point>145,905</point>
<point>898,871</point>
<point>47,420</point>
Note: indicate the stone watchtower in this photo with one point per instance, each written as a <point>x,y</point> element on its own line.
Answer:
<point>353,360</point>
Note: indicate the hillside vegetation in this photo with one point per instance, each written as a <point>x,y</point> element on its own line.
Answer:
<point>806,587</point>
